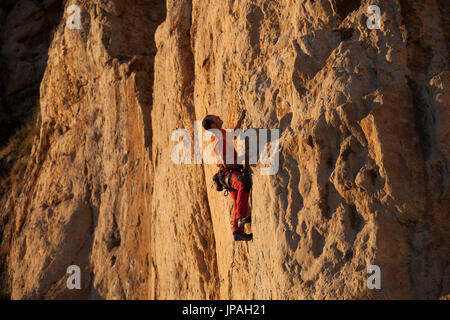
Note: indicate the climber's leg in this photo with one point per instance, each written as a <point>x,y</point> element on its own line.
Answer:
<point>234,194</point>
<point>240,198</point>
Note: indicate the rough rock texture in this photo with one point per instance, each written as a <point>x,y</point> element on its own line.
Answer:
<point>87,195</point>
<point>364,153</point>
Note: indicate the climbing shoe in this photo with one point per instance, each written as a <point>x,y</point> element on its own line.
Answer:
<point>242,236</point>
<point>243,221</point>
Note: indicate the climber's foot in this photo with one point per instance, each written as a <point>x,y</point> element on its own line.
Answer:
<point>242,236</point>
<point>243,221</point>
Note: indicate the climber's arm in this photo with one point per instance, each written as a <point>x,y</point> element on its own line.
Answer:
<point>241,118</point>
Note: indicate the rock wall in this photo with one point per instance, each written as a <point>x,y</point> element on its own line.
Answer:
<point>86,199</point>
<point>364,149</point>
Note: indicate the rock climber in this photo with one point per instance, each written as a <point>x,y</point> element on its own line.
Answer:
<point>231,176</point>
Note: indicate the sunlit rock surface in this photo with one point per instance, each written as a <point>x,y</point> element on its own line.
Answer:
<point>363,173</point>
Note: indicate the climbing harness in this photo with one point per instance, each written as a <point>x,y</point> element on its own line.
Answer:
<point>222,179</point>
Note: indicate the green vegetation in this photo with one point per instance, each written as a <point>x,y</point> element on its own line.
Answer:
<point>19,145</point>
<point>22,141</point>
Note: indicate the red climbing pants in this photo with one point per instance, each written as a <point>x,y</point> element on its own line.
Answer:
<point>240,198</point>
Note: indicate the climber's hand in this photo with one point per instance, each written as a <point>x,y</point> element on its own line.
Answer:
<point>243,113</point>
<point>241,118</point>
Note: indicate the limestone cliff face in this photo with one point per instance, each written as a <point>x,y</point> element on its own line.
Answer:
<point>364,153</point>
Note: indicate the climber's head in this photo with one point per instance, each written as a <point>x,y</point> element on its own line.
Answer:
<point>212,122</point>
